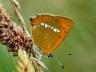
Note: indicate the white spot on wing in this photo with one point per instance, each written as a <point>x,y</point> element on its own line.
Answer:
<point>49,25</point>
<point>55,30</point>
<point>52,27</point>
<point>46,25</point>
<point>58,30</point>
<point>42,24</point>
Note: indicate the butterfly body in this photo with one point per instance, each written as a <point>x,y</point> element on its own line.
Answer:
<point>49,31</point>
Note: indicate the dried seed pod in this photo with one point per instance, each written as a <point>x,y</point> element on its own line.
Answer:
<point>11,35</point>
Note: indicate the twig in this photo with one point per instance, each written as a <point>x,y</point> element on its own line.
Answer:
<point>16,8</point>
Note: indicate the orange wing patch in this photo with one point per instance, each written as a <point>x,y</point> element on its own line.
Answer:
<point>49,31</point>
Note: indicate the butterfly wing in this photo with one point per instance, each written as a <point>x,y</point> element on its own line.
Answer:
<point>49,31</point>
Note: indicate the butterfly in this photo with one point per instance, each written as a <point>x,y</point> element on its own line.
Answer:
<point>49,31</point>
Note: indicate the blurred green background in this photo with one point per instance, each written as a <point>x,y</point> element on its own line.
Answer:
<point>81,41</point>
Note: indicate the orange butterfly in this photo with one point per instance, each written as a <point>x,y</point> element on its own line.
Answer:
<point>49,31</point>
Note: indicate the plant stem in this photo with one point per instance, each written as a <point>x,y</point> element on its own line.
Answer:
<point>16,8</point>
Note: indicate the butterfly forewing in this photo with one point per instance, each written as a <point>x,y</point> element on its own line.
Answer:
<point>49,31</point>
